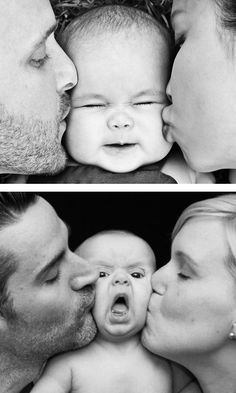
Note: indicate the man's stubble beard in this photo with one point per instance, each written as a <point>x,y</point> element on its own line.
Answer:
<point>32,146</point>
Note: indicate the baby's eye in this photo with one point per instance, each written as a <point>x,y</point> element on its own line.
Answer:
<point>137,275</point>
<point>144,103</point>
<point>93,106</point>
<point>103,274</point>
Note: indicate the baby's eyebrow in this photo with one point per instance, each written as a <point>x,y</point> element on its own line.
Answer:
<point>159,94</point>
<point>88,97</point>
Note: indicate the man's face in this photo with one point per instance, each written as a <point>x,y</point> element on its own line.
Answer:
<point>193,301</point>
<point>34,75</point>
<point>51,290</point>
<point>125,265</point>
<point>202,116</point>
<point>116,119</point>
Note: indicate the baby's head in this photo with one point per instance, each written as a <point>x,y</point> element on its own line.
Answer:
<point>122,56</point>
<point>126,263</point>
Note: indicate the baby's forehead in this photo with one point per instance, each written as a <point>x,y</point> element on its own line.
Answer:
<point>118,246</point>
<point>102,40</point>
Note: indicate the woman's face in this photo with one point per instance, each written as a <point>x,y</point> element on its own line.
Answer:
<point>202,117</point>
<point>193,303</point>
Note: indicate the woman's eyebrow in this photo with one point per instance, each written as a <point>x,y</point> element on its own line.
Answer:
<point>181,255</point>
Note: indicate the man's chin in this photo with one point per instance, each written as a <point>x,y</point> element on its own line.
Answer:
<point>87,332</point>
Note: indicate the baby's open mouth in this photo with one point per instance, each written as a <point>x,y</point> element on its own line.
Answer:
<point>120,306</point>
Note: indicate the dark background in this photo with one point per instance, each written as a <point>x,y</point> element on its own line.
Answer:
<point>150,215</point>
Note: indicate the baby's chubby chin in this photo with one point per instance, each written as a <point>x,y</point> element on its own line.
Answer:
<point>129,157</point>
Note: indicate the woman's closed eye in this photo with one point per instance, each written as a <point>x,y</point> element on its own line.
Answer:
<point>183,276</point>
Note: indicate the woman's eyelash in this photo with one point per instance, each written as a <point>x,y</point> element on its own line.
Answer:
<point>183,276</point>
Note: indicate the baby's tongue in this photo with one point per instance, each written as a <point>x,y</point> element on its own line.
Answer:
<point>119,308</point>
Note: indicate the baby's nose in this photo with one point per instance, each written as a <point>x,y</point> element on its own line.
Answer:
<point>120,279</point>
<point>120,121</point>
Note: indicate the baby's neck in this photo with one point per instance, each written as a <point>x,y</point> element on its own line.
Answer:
<point>119,343</point>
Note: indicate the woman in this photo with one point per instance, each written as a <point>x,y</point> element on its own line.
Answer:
<point>192,311</point>
<point>202,88</point>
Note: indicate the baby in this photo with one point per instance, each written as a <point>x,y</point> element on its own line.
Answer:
<point>123,59</point>
<point>115,361</point>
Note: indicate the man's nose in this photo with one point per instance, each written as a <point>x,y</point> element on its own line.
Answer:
<point>120,278</point>
<point>168,91</point>
<point>120,121</point>
<point>83,274</point>
<point>66,75</point>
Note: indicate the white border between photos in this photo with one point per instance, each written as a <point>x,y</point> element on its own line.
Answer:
<point>118,187</point>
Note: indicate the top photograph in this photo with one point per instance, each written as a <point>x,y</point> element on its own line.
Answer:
<point>118,91</point>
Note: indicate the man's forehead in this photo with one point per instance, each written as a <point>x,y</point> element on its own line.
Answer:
<point>25,18</point>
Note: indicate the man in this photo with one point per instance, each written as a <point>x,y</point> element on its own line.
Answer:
<point>46,291</point>
<point>35,74</point>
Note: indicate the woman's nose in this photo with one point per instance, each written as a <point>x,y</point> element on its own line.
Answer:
<point>160,280</point>
<point>66,75</point>
<point>83,274</point>
<point>120,121</point>
<point>120,278</point>
<point>168,91</point>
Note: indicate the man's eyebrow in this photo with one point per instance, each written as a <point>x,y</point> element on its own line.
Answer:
<point>46,34</point>
<point>54,261</point>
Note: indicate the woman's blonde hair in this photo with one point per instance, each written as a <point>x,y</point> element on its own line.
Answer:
<point>221,208</point>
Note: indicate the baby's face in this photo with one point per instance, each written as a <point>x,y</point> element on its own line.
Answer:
<point>116,121</point>
<point>126,264</point>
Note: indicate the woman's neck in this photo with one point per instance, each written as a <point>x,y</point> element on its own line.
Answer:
<point>216,373</point>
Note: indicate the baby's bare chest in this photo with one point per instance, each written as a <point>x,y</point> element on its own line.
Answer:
<point>130,376</point>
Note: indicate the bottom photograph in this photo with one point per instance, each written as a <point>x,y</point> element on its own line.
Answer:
<point>123,292</point>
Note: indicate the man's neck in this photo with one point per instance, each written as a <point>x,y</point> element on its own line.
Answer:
<point>15,374</point>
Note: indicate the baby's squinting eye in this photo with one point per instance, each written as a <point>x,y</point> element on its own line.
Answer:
<point>103,274</point>
<point>93,106</point>
<point>144,103</point>
<point>137,275</point>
